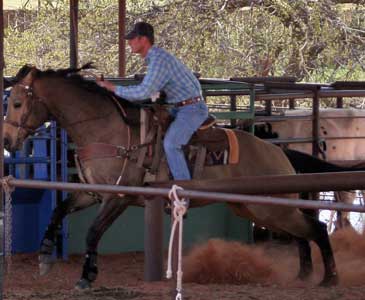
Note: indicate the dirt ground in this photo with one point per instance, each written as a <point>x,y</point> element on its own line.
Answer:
<point>215,270</point>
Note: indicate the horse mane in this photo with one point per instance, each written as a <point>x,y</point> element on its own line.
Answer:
<point>72,76</point>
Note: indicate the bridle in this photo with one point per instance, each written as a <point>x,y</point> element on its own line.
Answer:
<point>22,125</point>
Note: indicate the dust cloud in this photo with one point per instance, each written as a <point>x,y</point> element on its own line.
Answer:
<point>272,263</point>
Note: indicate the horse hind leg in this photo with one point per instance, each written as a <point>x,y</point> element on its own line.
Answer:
<point>304,228</point>
<point>110,210</point>
<point>346,197</point>
<point>305,259</point>
<point>321,238</point>
<point>73,202</point>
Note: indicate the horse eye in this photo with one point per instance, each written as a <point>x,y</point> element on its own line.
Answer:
<point>17,104</point>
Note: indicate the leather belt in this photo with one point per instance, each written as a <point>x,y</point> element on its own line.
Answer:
<point>189,101</point>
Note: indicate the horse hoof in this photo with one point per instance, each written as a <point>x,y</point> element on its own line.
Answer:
<point>45,264</point>
<point>304,276</point>
<point>83,284</point>
<point>305,273</point>
<point>44,268</point>
<point>329,281</point>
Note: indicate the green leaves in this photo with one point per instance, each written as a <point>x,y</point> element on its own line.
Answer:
<point>312,40</point>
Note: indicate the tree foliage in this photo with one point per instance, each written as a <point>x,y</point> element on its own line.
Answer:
<point>312,40</point>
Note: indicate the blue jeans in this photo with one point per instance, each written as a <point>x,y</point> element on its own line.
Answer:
<point>187,120</point>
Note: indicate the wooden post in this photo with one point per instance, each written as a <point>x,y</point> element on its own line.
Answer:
<point>1,147</point>
<point>121,18</point>
<point>74,8</point>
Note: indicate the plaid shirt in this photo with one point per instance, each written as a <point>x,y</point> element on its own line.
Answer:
<point>164,73</point>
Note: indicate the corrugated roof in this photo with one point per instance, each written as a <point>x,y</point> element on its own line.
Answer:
<point>16,4</point>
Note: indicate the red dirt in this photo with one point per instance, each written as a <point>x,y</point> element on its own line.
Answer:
<point>215,270</point>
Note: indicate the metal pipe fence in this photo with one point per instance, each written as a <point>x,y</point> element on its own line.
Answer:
<point>294,183</point>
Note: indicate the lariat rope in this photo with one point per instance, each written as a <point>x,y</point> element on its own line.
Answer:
<point>8,189</point>
<point>180,208</point>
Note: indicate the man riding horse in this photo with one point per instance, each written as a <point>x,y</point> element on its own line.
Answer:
<point>165,72</point>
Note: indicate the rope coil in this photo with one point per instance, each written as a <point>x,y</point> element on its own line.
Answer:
<point>180,208</point>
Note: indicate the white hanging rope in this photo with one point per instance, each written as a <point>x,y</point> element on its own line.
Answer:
<point>180,208</point>
<point>8,212</point>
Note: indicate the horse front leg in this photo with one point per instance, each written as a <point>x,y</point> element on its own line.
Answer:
<point>109,211</point>
<point>73,202</point>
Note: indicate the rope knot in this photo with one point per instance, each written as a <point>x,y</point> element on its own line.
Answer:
<point>180,205</point>
<point>180,208</point>
<point>7,187</point>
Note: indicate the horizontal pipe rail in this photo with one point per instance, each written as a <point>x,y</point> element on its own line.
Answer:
<point>26,160</point>
<point>282,118</point>
<point>290,140</point>
<point>259,185</point>
<point>281,96</point>
<point>278,184</point>
<point>321,94</point>
<point>310,139</point>
<point>341,93</point>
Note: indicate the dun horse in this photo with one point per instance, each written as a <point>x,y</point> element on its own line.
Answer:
<point>93,122</point>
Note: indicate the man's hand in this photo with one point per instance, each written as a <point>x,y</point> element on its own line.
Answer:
<point>106,84</point>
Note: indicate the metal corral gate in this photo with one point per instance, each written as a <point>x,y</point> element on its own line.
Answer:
<point>43,157</point>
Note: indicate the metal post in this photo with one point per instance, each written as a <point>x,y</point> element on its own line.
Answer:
<point>233,104</point>
<point>339,102</point>
<point>291,103</point>
<point>64,175</point>
<point>268,107</point>
<point>153,235</point>
<point>315,131</point>
<point>1,147</point>
<point>153,240</point>
<point>74,8</point>
<point>122,19</point>
<point>315,123</point>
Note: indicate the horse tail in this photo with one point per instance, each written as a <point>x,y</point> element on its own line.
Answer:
<point>306,163</point>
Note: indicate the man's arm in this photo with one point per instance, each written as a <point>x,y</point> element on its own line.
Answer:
<point>157,76</point>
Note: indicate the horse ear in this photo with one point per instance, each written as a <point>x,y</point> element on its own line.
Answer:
<point>8,82</point>
<point>29,78</point>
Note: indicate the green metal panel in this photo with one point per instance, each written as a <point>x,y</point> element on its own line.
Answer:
<point>226,115</point>
<point>126,234</point>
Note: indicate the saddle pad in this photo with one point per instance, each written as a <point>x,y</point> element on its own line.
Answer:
<point>234,148</point>
<point>224,151</point>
